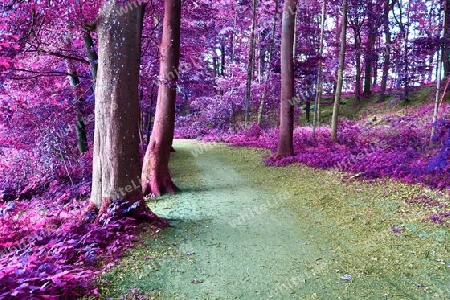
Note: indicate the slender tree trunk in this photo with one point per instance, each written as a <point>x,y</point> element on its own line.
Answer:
<point>316,120</point>
<point>440,64</point>
<point>82,143</point>
<point>222,59</point>
<point>117,165</point>
<point>387,51</point>
<point>156,177</point>
<point>446,48</point>
<point>436,103</point>
<point>285,140</point>
<point>337,98</point>
<point>375,71</point>
<point>369,55</point>
<point>92,55</point>
<point>250,66</point>
<point>269,63</point>
<point>404,29</point>
<point>358,66</point>
<point>430,68</point>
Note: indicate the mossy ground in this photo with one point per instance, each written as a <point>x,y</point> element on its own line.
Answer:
<point>350,221</point>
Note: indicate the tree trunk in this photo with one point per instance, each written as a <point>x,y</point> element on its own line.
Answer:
<point>285,140</point>
<point>269,63</point>
<point>250,66</point>
<point>358,66</point>
<point>156,177</point>
<point>319,90</point>
<point>369,56</point>
<point>340,81</point>
<point>92,55</point>
<point>222,59</point>
<point>446,48</point>
<point>387,51</point>
<point>82,143</point>
<point>117,165</point>
<point>436,102</point>
<point>440,64</point>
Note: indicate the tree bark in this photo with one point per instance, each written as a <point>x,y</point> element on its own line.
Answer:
<point>117,165</point>
<point>156,177</point>
<point>340,81</point>
<point>319,90</point>
<point>250,66</point>
<point>285,140</point>
<point>387,51</point>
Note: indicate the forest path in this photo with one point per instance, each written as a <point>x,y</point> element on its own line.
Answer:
<point>241,230</point>
<point>235,240</point>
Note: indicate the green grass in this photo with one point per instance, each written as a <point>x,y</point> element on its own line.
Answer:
<point>355,219</point>
<point>350,219</point>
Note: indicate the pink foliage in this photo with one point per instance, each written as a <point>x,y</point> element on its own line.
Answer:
<point>48,251</point>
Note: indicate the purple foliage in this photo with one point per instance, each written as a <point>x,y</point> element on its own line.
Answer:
<point>48,250</point>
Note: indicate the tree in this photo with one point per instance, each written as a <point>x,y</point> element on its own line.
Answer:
<point>446,48</point>
<point>319,88</point>
<point>356,23</point>
<point>370,57</point>
<point>251,57</point>
<point>117,165</point>
<point>387,51</point>
<point>269,62</point>
<point>285,140</point>
<point>340,80</point>
<point>156,177</point>
<point>80,124</point>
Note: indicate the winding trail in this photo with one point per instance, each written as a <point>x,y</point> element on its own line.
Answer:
<point>237,241</point>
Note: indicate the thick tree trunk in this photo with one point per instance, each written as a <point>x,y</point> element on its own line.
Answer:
<point>269,63</point>
<point>156,177</point>
<point>251,56</point>
<point>340,81</point>
<point>387,51</point>
<point>117,165</point>
<point>285,140</point>
<point>319,71</point>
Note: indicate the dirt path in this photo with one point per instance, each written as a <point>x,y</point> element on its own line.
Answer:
<point>239,242</point>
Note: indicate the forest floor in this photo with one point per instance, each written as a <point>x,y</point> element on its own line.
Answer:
<point>241,230</point>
